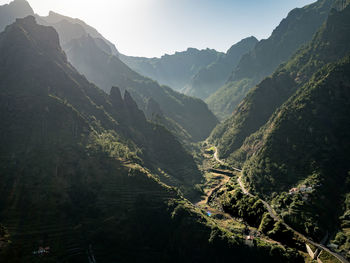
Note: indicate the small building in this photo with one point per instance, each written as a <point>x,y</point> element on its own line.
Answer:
<point>42,251</point>
<point>293,190</point>
<point>306,189</point>
<point>249,241</point>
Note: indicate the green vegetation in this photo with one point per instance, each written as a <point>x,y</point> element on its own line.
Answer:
<point>293,32</point>
<point>328,45</point>
<point>267,223</point>
<point>253,212</point>
<point>210,78</point>
<point>243,206</point>
<point>342,238</point>
<point>186,117</point>
<point>284,158</point>
<point>291,131</point>
<point>225,100</point>
<point>328,258</point>
<point>83,170</point>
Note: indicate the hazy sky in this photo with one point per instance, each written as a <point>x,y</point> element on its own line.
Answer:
<point>154,27</point>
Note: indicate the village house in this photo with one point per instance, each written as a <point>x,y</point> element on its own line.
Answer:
<point>42,251</point>
<point>302,189</point>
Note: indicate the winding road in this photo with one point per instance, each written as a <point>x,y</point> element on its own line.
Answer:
<point>275,216</point>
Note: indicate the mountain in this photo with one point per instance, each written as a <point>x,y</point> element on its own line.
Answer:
<point>291,133</point>
<point>293,32</point>
<point>83,172</point>
<point>305,143</point>
<point>67,27</point>
<point>175,70</point>
<point>191,115</point>
<point>210,78</point>
<point>98,59</point>
<point>72,28</point>
<point>13,10</point>
<point>61,80</point>
<point>328,45</point>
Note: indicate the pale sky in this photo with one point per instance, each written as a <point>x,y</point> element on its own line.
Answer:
<point>154,27</point>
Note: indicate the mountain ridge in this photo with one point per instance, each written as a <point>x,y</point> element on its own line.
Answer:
<point>84,171</point>
<point>293,32</point>
<point>212,77</point>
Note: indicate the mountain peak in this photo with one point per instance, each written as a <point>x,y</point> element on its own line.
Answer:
<point>54,17</point>
<point>250,41</point>
<point>45,37</point>
<point>26,46</point>
<point>28,20</point>
<point>21,6</point>
<point>13,10</point>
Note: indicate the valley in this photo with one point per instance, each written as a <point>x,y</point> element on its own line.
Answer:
<point>221,178</point>
<point>198,156</point>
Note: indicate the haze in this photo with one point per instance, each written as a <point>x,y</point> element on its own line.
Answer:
<point>154,27</point>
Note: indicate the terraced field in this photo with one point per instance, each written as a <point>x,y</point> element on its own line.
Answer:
<point>68,237</point>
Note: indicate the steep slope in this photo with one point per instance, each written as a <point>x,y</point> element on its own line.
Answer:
<point>328,45</point>
<point>13,10</point>
<point>175,70</point>
<point>109,114</point>
<point>95,57</point>
<point>71,28</point>
<point>72,175</point>
<point>294,31</point>
<point>191,114</point>
<point>210,78</point>
<point>98,66</point>
<point>306,143</point>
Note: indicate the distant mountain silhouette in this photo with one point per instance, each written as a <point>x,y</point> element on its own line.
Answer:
<point>210,78</point>
<point>98,60</point>
<point>71,28</point>
<point>176,70</point>
<point>13,10</point>
<point>192,115</point>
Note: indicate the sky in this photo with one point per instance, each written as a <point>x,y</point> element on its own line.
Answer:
<point>152,28</point>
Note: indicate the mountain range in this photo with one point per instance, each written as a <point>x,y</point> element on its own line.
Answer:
<point>291,132</point>
<point>197,73</point>
<point>210,78</point>
<point>174,70</point>
<point>189,118</point>
<point>84,172</point>
<point>293,32</point>
<point>101,163</point>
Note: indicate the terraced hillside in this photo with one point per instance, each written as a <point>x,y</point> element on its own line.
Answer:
<point>78,169</point>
